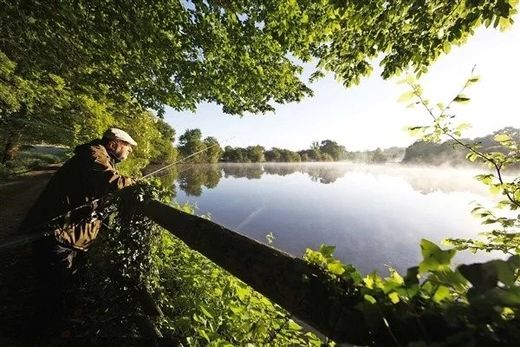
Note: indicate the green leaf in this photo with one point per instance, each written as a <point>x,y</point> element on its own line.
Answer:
<point>486,179</point>
<point>294,326</point>
<point>326,250</point>
<point>407,96</point>
<point>369,298</point>
<point>441,293</point>
<point>495,189</point>
<point>434,258</point>
<point>204,335</point>
<point>205,312</point>
<point>472,156</point>
<point>373,281</point>
<point>462,99</point>
<point>336,267</point>
<point>394,297</point>
<point>502,138</point>
<point>473,80</point>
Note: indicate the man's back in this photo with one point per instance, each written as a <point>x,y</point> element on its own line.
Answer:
<point>72,195</point>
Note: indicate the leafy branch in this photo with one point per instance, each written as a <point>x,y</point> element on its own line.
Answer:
<point>507,155</point>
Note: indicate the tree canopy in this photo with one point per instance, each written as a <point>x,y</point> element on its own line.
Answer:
<point>235,53</point>
<point>79,65</point>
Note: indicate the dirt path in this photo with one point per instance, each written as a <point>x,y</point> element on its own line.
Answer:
<point>17,197</point>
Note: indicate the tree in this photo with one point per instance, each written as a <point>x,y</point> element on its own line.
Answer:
<point>378,156</point>
<point>228,154</point>
<point>213,151</point>
<point>333,149</point>
<point>190,143</point>
<point>273,155</point>
<point>256,154</point>
<point>235,54</point>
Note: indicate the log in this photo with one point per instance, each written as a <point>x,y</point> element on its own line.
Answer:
<point>299,287</point>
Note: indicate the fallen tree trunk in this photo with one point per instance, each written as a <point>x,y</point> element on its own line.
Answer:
<point>300,288</point>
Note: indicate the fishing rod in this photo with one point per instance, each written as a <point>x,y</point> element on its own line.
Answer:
<point>179,161</point>
<point>24,239</point>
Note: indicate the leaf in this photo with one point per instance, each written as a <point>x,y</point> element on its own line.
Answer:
<point>412,276</point>
<point>486,179</point>
<point>472,156</point>
<point>326,250</point>
<point>204,334</point>
<point>394,281</point>
<point>441,293</point>
<point>473,80</point>
<point>481,277</point>
<point>294,326</point>
<point>394,297</point>
<point>461,99</point>
<point>495,189</point>
<point>335,267</point>
<point>407,96</point>
<point>434,258</point>
<point>369,298</point>
<point>205,312</point>
<point>502,138</point>
<point>373,281</point>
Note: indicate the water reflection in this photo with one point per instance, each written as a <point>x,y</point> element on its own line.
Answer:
<point>192,178</point>
<point>374,214</point>
<point>426,180</point>
<point>317,172</point>
<point>252,171</point>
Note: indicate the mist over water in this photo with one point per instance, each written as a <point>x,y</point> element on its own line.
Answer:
<point>375,215</point>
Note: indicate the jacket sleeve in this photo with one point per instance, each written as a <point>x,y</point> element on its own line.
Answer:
<point>104,176</point>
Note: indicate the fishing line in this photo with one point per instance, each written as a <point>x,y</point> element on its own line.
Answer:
<point>180,161</point>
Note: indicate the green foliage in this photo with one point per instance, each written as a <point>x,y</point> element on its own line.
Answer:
<point>31,159</point>
<point>68,70</point>
<point>191,178</point>
<point>202,304</point>
<point>256,153</point>
<point>499,152</point>
<point>281,155</point>
<point>434,304</point>
<point>326,150</point>
<point>213,151</point>
<point>449,152</point>
<point>198,150</point>
<point>190,144</point>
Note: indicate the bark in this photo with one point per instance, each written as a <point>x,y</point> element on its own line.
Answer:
<point>297,286</point>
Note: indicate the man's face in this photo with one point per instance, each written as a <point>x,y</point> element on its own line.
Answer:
<point>122,149</point>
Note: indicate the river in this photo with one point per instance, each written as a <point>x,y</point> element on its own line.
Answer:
<point>375,215</point>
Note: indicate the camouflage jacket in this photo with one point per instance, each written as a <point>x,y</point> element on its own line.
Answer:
<point>67,206</point>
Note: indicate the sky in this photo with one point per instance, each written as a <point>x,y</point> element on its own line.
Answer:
<point>369,115</point>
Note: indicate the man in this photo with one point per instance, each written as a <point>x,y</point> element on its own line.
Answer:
<point>67,214</point>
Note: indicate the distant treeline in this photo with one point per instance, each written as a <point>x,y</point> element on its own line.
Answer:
<point>209,150</point>
<point>450,153</point>
<point>324,151</point>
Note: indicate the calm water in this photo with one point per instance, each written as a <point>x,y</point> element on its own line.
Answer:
<point>375,215</point>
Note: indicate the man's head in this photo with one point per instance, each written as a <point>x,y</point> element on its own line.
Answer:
<point>118,143</point>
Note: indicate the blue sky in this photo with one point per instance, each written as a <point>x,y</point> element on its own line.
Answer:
<point>368,116</point>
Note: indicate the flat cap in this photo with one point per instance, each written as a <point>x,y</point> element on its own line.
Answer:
<point>118,134</point>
